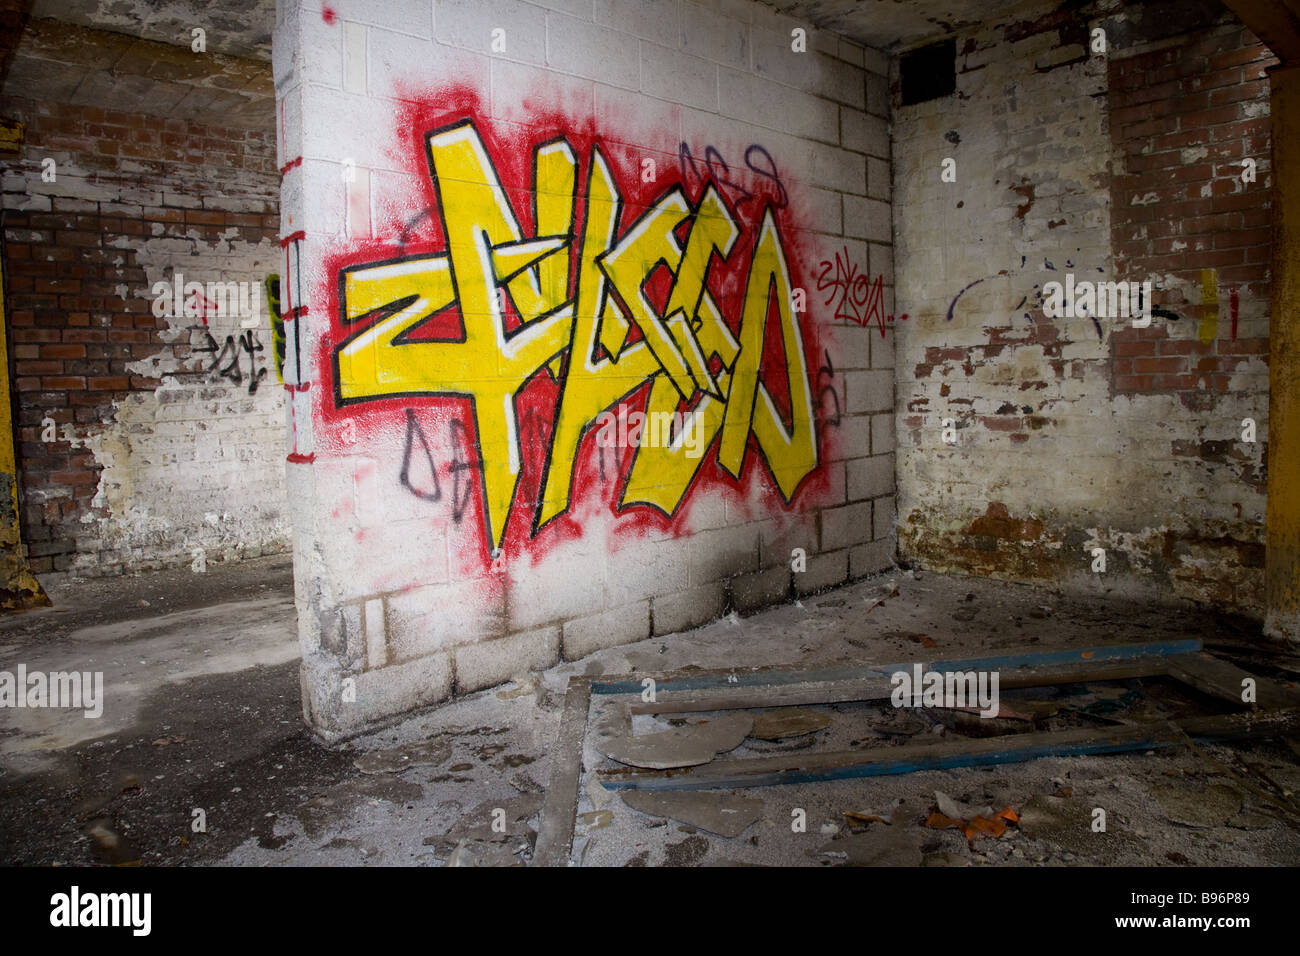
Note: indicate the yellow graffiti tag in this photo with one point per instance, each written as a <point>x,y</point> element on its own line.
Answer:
<point>688,352</point>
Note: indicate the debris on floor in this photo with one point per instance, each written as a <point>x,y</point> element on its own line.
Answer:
<point>494,833</point>
<point>973,823</point>
<point>879,846</point>
<point>686,746</point>
<point>788,722</point>
<point>429,753</point>
<point>724,814</point>
<point>274,796</point>
<point>1050,818</point>
<point>1203,807</point>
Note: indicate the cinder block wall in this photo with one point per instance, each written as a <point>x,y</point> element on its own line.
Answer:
<point>456,521</point>
<point>145,440</point>
<point>1073,435</point>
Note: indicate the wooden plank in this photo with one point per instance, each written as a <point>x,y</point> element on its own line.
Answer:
<point>555,831</point>
<point>1221,679</point>
<point>833,692</point>
<point>841,765</point>
<point>1020,658</point>
<point>1272,22</point>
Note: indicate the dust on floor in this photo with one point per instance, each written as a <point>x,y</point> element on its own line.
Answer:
<point>203,759</point>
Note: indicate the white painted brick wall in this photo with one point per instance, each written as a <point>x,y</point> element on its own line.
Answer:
<point>749,592</point>
<point>870,477</point>
<point>686,608</point>
<point>647,76</point>
<point>842,527</point>
<point>824,571</point>
<point>493,662</point>
<point>621,625</point>
<point>871,391</point>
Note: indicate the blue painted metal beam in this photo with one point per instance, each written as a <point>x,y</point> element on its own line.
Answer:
<point>848,765</point>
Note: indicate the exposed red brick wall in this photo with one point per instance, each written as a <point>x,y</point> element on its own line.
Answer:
<point>67,260</point>
<point>1182,120</point>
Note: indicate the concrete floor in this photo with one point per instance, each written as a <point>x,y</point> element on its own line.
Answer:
<point>203,713</point>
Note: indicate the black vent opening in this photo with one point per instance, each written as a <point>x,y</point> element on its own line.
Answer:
<point>929,72</point>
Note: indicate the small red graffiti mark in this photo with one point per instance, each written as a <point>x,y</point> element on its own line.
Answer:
<point>860,300</point>
<point>328,15</point>
<point>202,304</point>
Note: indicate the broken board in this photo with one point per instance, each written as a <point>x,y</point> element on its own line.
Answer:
<point>1274,712</point>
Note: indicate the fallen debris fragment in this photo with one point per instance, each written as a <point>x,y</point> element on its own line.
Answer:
<point>483,854</point>
<point>686,746</point>
<point>524,686</point>
<point>975,827</point>
<point>973,823</point>
<point>726,815</point>
<point>595,820</point>
<point>428,753</point>
<point>879,846</point>
<point>890,591</point>
<point>857,819</point>
<point>489,827</point>
<point>598,795</point>
<point>788,722</point>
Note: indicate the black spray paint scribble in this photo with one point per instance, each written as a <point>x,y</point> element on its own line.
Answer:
<point>828,371</point>
<point>462,489</point>
<point>757,159</point>
<point>1034,298</point>
<point>232,353</point>
<point>414,436</point>
<point>417,456</point>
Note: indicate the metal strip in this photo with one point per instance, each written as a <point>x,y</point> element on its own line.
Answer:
<point>628,684</point>
<point>881,761</point>
<point>833,692</point>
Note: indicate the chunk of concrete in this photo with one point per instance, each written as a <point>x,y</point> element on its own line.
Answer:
<point>686,746</point>
<point>594,820</point>
<point>788,722</point>
<point>480,853</point>
<point>725,814</point>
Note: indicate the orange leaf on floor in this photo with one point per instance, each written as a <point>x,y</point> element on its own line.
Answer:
<point>983,825</point>
<point>976,826</point>
<point>937,821</point>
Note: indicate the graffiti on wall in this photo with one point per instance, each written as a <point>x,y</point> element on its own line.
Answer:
<point>1035,298</point>
<point>759,167</point>
<point>855,297</point>
<point>277,324</point>
<point>235,359</point>
<point>614,301</point>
